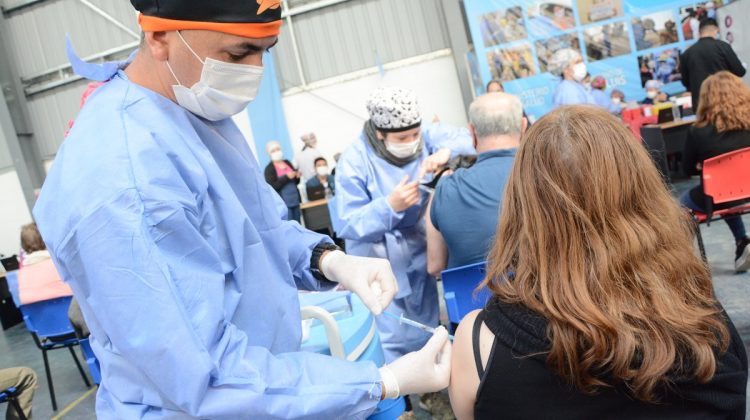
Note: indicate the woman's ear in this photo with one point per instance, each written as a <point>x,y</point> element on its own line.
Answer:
<point>379,134</point>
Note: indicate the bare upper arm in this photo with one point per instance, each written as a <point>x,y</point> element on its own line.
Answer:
<point>464,375</point>
<point>437,251</point>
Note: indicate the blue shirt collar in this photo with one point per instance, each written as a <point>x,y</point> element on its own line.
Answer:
<point>497,153</point>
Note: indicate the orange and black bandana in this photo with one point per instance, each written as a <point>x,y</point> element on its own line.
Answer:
<point>248,18</point>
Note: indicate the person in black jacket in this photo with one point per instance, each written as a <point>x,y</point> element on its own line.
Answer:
<point>723,125</point>
<point>600,307</point>
<point>706,57</point>
<point>282,176</point>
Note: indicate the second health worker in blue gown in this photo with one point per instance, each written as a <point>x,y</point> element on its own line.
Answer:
<point>381,205</point>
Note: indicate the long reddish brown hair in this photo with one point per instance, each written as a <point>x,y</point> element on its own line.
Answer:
<point>598,246</point>
<point>724,103</point>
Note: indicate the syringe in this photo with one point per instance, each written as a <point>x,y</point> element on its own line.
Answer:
<point>401,319</point>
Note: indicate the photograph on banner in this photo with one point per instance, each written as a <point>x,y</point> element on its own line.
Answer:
<point>606,41</point>
<point>501,26</point>
<point>478,88</point>
<point>690,17</point>
<point>654,30</point>
<point>549,17</point>
<point>511,63</point>
<point>663,66</point>
<point>591,11</point>
<point>546,48</point>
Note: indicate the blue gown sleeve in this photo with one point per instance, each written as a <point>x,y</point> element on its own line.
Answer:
<point>301,243</point>
<point>154,282</point>
<point>362,217</point>
<point>566,94</point>
<point>440,136</point>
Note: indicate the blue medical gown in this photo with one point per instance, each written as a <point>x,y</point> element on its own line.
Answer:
<point>569,92</point>
<point>185,272</point>
<point>373,229</point>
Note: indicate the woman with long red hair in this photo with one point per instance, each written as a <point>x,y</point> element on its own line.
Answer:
<point>723,125</point>
<point>601,307</point>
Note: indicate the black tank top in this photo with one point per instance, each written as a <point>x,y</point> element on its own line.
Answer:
<point>516,383</point>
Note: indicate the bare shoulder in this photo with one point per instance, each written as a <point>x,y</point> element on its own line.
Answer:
<point>464,375</point>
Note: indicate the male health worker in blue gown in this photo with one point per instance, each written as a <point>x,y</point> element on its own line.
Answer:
<point>568,65</point>
<point>381,205</point>
<point>157,215</point>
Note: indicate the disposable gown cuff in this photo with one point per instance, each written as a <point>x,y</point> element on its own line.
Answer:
<point>391,217</point>
<point>323,283</point>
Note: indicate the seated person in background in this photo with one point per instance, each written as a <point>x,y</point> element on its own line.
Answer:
<point>598,88</point>
<point>23,379</point>
<point>282,176</point>
<point>601,307</point>
<point>38,279</point>
<point>323,178</point>
<point>722,125</point>
<point>652,91</point>
<point>618,99</point>
<point>464,209</point>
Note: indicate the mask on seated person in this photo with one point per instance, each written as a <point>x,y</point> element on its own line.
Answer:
<point>322,170</point>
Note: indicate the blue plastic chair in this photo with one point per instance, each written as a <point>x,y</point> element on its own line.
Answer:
<point>49,326</point>
<point>9,396</point>
<point>458,290</point>
<point>90,357</point>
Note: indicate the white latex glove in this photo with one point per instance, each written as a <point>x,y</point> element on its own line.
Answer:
<point>434,162</point>
<point>422,371</point>
<point>371,279</point>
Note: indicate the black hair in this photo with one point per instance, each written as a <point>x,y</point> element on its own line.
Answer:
<point>487,88</point>
<point>707,22</point>
<point>320,158</point>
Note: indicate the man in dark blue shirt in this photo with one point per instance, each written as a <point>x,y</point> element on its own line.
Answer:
<point>464,210</point>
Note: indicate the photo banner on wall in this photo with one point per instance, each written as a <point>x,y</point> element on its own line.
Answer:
<point>628,42</point>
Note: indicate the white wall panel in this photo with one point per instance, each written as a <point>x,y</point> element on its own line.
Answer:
<point>13,213</point>
<point>336,111</point>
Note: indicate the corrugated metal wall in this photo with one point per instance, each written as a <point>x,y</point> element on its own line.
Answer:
<point>331,41</point>
<point>357,34</point>
<point>37,44</point>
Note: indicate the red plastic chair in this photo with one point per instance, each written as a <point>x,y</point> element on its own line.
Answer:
<point>725,178</point>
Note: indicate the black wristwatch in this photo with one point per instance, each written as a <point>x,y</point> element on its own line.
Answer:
<point>318,252</point>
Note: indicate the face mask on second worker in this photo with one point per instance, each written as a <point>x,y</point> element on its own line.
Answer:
<point>403,150</point>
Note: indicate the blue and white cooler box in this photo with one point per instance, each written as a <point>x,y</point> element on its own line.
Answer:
<point>338,324</point>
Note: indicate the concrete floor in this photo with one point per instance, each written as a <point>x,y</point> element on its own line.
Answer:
<point>75,401</point>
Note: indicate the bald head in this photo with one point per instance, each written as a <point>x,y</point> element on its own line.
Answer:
<point>496,114</point>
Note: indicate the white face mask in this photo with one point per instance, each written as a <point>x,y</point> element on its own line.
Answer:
<point>616,100</point>
<point>403,150</point>
<point>651,94</point>
<point>579,72</point>
<point>277,156</point>
<point>322,170</point>
<point>224,89</point>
